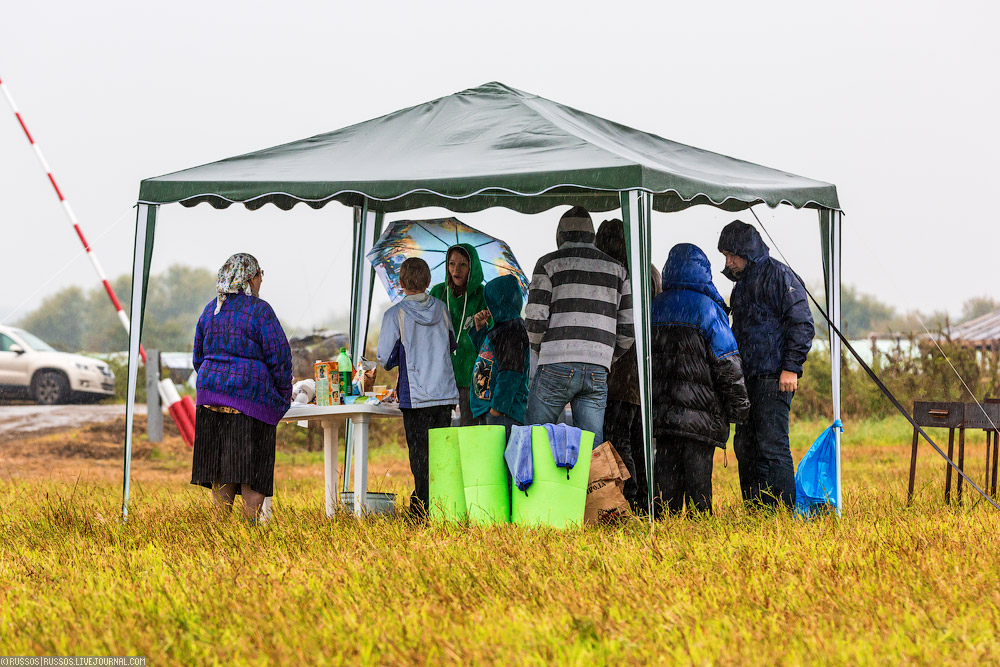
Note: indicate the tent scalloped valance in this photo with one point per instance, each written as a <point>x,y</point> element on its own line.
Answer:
<point>594,200</point>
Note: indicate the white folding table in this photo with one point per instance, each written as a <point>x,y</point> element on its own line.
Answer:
<point>329,418</point>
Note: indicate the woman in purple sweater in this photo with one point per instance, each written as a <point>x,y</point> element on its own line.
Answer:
<point>244,370</point>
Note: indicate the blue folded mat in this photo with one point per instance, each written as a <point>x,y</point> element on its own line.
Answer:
<point>564,441</point>
<point>518,457</point>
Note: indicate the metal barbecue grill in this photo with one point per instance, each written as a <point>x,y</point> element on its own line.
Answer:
<point>960,416</point>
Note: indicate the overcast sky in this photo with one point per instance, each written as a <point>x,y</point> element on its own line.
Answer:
<point>895,103</point>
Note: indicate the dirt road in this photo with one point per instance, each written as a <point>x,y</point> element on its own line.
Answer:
<point>20,421</point>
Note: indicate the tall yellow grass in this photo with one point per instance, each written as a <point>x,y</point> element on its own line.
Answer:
<point>885,584</point>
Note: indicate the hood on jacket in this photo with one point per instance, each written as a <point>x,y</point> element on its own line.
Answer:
<point>611,240</point>
<point>744,240</point>
<point>475,280</point>
<point>688,268</point>
<point>421,308</point>
<point>575,226</point>
<point>504,298</point>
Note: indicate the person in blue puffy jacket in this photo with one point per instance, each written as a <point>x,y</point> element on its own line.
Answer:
<point>698,386</point>
<point>774,329</point>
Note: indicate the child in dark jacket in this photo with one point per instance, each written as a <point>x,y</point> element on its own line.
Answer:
<point>697,381</point>
<point>500,374</point>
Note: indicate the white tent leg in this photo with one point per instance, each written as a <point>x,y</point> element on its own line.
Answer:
<point>636,213</point>
<point>831,225</point>
<point>367,229</point>
<point>145,224</point>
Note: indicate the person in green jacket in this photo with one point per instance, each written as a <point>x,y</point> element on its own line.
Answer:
<point>462,292</point>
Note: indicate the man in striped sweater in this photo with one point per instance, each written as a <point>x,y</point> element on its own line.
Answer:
<point>579,320</point>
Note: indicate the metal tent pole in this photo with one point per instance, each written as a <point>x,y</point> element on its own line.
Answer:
<point>636,212</point>
<point>367,229</point>
<point>830,227</point>
<point>145,229</point>
<point>835,294</point>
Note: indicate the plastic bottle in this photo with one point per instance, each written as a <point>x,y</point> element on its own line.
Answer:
<point>346,372</point>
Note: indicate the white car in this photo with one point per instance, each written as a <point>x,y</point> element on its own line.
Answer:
<point>29,365</point>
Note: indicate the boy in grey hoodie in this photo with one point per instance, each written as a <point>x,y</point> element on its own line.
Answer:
<point>417,337</point>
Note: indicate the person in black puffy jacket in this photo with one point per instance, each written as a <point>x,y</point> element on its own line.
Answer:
<point>698,384</point>
<point>774,329</point>
<point>623,416</point>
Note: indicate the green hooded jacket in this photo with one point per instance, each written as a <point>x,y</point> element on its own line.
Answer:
<point>462,310</point>
<point>500,376</point>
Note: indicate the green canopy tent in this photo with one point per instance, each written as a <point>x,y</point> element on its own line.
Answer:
<point>484,147</point>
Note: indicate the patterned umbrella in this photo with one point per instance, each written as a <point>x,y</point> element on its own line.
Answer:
<point>430,240</point>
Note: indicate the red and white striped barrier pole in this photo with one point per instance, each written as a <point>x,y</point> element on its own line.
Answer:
<point>178,410</point>
<point>72,216</point>
<point>190,407</point>
<point>181,412</point>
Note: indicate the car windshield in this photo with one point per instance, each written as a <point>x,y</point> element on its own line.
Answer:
<point>32,341</point>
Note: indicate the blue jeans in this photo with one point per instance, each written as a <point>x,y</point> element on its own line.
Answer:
<point>767,475</point>
<point>583,386</point>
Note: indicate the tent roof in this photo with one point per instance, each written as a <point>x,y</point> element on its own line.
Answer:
<point>486,146</point>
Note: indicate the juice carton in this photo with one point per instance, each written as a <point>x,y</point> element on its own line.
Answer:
<point>327,384</point>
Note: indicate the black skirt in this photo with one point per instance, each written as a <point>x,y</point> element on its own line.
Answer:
<point>232,448</point>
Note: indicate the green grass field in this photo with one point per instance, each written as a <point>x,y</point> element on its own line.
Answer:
<point>884,584</point>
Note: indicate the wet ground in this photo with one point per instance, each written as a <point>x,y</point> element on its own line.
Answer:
<point>84,442</point>
<point>18,421</point>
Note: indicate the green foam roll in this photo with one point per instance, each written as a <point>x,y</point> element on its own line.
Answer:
<point>484,473</point>
<point>552,499</point>
<point>445,488</point>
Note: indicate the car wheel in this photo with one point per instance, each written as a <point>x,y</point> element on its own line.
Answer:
<point>49,388</point>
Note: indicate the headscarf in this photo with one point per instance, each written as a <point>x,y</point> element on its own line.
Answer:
<point>234,277</point>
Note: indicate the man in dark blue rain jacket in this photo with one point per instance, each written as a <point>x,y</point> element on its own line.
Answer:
<point>774,330</point>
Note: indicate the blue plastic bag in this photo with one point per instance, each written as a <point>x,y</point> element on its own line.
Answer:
<point>816,477</point>
<point>518,457</point>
